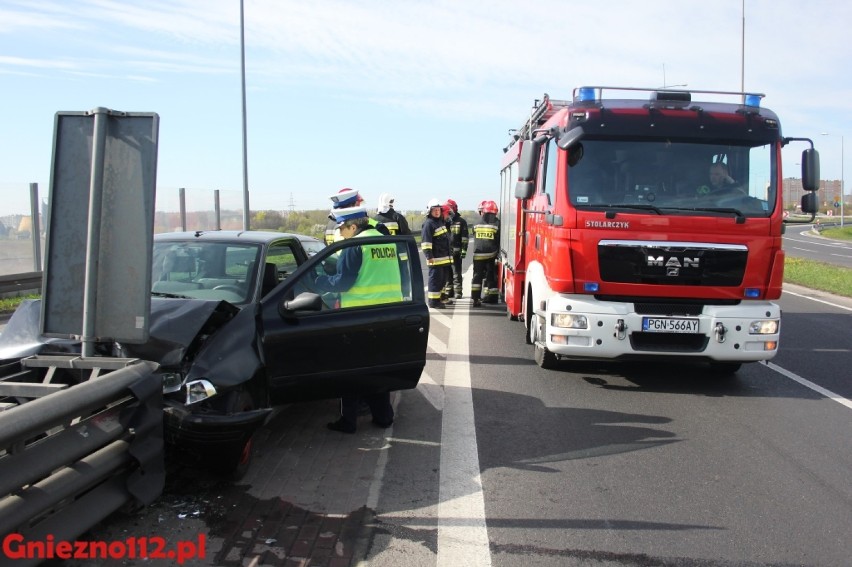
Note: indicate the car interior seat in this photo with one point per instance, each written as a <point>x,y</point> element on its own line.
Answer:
<point>270,278</point>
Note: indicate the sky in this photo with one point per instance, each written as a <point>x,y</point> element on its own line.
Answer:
<point>411,97</point>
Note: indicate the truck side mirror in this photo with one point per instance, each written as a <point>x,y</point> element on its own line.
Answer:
<point>810,170</point>
<point>810,205</point>
<point>524,189</point>
<point>570,138</point>
<point>527,168</point>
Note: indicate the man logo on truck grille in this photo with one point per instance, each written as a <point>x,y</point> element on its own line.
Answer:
<point>673,264</point>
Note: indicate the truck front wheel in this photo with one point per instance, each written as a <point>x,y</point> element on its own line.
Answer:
<point>529,319</point>
<point>543,357</point>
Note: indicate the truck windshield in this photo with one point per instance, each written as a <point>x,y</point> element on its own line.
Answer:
<point>675,177</point>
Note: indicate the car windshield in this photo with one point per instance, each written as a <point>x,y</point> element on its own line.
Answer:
<point>669,177</point>
<point>205,270</point>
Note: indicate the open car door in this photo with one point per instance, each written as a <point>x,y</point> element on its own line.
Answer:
<point>315,346</point>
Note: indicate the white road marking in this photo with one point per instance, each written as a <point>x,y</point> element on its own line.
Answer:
<point>808,384</point>
<point>818,300</point>
<point>804,382</point>
<point>462,531</point>
<point>433,392</point>
<point>436,345</point>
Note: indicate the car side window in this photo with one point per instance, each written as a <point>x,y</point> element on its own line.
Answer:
<point>282,255</point>
<point>361,275</point>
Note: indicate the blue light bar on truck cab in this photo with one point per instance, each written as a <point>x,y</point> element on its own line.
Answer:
<point>586,94</point>
<point>752,293</point>
<point>752,100</point>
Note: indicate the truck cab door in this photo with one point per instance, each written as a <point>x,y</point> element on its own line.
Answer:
<point>315,349</point>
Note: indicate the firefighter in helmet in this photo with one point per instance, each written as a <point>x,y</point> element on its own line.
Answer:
<point>385,214</point>
<point>459,242</point>
<point>447,290</point>
<point>435,244</point>
<point>486,244</point>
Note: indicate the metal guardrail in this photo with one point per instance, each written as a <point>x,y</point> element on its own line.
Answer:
<point>29,282</point>
<point>79,439</point>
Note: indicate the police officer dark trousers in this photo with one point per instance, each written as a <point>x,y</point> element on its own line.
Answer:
<point>380,408</point>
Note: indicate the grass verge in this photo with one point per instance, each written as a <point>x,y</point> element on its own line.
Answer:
<point>9,304</point>
<point>818,275</point>
<point>838,233</point>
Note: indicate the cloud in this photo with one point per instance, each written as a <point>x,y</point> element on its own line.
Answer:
<point>27,62</point>
<point>480,63</point>
<point>449,49</point>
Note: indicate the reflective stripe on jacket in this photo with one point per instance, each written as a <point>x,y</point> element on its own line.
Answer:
<point>394,221</point>
<point>435,242</point>
<point>459,233</point>
<point>486,237</point>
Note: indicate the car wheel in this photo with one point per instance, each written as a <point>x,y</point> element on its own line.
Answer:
<point>235,465</point>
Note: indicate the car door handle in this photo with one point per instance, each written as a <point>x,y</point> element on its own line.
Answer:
<point>413,320</point>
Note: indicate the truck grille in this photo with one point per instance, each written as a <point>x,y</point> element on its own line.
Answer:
<point>672,263</point>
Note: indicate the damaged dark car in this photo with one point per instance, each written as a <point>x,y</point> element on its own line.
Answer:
<point>238,328</point>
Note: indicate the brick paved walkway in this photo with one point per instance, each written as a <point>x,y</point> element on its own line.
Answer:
<point>305,500</point>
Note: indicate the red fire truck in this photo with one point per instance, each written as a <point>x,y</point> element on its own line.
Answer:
<point>647,225</point>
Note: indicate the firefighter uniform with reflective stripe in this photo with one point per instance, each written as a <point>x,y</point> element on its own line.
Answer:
<point>459,235</point>
<point>486,244</point>
<point>435,244</point>
<point>395,222</point>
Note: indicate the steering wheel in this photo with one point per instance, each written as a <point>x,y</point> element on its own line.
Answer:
<point>226,287</point>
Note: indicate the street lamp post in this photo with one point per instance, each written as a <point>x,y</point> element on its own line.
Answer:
<point>246,208</point>
<point>842,184</point>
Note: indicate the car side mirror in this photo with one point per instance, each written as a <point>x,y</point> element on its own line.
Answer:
<point>305,301</point>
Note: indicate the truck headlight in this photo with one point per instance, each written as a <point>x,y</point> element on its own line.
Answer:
<point>569,321</point>
<point>769,327</point>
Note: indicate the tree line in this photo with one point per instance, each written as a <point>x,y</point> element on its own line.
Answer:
<point>311,223</point>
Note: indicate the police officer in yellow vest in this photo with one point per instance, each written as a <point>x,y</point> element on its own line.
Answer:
<point>344,199</point>
<point>366,275</point>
